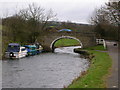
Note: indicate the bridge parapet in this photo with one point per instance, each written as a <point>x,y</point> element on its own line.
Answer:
<point>87,39</point>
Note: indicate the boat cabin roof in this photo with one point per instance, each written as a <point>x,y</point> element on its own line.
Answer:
<point>22,47</point>
<point>31,46</point>
<point>14,44</point>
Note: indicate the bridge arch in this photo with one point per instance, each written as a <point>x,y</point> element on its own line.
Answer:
<point>69,37</point>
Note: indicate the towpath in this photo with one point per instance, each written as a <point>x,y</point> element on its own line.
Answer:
<point>112,81</point>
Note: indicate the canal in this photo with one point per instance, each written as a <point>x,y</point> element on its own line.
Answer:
<point>47,70</point>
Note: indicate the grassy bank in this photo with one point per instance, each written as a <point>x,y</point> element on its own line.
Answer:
<point>66,42</point>
<point>96,75</point>
<point>97,47</point>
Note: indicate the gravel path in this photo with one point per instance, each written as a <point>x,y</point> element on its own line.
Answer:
<point>112,81</point>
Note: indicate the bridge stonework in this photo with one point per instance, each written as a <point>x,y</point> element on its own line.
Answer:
<point>87,39</point>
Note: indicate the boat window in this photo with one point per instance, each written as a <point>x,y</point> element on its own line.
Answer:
<point>12,48</point>
<point>27,47</point>
<point>33,48</point>
<point>23,49</point>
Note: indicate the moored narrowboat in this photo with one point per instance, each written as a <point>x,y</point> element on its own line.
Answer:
<point>39,48</point>
<point>33,49</point>
<point>14,50</point>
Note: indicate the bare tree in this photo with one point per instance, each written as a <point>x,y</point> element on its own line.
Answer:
<point>48,16</point>
<point>37,19</point>
<point>113,11</point>
<point>107,16</point>
<point>110,13</point>
<point>99,16</point>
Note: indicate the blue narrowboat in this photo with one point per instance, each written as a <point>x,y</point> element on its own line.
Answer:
<point>33,49</point>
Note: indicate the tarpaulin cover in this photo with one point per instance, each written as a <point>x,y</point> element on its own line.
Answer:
<point>65,30</point>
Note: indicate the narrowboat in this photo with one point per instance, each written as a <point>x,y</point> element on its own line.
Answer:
<point>33,49</point>
<point>15,50</point>
<point>39,48</point>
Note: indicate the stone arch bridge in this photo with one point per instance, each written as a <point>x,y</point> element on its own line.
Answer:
<point>48,39</point>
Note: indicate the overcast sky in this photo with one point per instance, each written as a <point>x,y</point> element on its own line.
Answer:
<point>73,10</point>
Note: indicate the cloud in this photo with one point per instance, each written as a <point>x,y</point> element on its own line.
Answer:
<point>77,10</point>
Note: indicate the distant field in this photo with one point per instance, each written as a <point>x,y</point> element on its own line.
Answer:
<point>66,42</point>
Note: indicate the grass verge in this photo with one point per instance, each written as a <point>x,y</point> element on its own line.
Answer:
<point>66,42</point>
<point>98,71</point>
<point>97,47</point>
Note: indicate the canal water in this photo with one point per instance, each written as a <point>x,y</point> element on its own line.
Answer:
<point>47,70</point>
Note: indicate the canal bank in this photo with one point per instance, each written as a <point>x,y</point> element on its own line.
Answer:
<point>97,74</point>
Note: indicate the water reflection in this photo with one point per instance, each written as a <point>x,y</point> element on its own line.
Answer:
<point>68,50</point>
